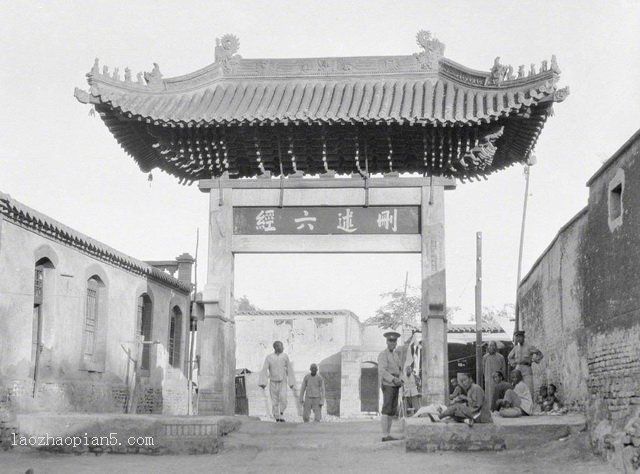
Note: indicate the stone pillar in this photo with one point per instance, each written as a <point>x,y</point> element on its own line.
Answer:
<point>434,322</point>
<point>216,332</point>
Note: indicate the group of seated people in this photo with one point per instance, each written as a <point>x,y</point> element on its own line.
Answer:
<point>468,403</point>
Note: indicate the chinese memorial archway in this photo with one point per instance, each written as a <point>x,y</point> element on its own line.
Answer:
<point>322,143</point>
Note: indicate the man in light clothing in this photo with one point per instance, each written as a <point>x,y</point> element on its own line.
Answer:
<point>313,388</point>
<point>522,356</point>
<point>277,368</point>
<point>516,401</point>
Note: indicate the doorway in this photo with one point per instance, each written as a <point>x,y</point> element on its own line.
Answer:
<point>369,387</point>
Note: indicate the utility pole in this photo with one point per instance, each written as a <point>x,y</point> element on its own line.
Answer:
<point>479,308</point>
<point>527,170</point>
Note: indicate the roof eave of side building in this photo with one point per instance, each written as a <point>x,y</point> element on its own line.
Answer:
<point>35,221</point>
<point>614,157</point>
<point>562,229</point>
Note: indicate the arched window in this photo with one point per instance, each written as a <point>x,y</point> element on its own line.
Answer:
<point>42,279</point>
<point>144,327</point>
<point>175,336</point>
<point>91,316</point>
<point>95,324</point>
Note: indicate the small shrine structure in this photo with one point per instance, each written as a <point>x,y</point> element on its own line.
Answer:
<point>324,155</point>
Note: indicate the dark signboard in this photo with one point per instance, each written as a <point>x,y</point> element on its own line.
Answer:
<point>326,220</point>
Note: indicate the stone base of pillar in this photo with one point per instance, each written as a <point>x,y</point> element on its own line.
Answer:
<point>216,382</point>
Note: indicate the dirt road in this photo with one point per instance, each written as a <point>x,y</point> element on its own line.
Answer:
<point>353,447</point>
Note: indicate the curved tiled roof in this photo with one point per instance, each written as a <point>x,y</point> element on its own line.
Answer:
<point>44,225</point>
<point>323,113</point>
<point>397,100</point>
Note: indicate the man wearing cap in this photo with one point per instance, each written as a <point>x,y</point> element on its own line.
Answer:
<point>522,356</point>
<point>389,371</point>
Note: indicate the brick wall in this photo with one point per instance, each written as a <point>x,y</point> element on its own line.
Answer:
<point>581,301</point>
<point>90,397</point>
<point>614,373</point>
<point>610,270</point>
<point>549,301</point>
<point>68,396</point>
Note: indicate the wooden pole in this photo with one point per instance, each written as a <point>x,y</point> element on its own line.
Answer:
<point>479,308</point>
<point>527,170</point>
<point>404,312</point>
<point>191,338</point>
<point>404,305</point>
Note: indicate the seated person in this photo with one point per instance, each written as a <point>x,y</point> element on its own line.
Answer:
<point>551,400</point>
<point>468,407</point>
<point>542,399</point>
<point>499,389</point>
<point>455,389</point>
<point>516,401</point>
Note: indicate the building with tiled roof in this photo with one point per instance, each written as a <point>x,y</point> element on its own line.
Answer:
<point>70,309</point>
<point>420,112</point>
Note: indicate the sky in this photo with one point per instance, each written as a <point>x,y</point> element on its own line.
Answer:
<point>63,162</point>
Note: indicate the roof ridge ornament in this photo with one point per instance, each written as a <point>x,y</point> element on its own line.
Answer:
<point>154,78</point>
<point>429,59</point>
<point>500,73</point>
<point>225,53</point>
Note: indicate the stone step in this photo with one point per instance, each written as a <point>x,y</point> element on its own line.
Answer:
<point>310,436</point>
<point>504,433</point>
<point>120,433</point>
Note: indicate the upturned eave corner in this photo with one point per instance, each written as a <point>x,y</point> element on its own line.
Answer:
<point>85,97</point>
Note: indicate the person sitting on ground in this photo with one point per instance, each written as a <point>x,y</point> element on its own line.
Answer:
<point>500,388</point>
<point>411,393</point>
<point>542,399</point>
<point>455,389</point>
<point>492,362</point>
<point>517,401</point>
<point>522,356</point>
<point>467,408</point>
<point>552,400</point>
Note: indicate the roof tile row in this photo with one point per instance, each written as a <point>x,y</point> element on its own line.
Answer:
<point>393,100</point>
<point>45,225</point>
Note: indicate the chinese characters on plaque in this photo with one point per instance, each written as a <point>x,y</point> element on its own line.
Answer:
<point>326,220</point>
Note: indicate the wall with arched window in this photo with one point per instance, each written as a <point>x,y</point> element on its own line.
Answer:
<point>67,318</point>
<point>144,331</point>
<point>44,281</point>
<point>174,347</point>
<point>95,320</point>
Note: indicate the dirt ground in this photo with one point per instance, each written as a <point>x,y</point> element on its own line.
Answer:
<point>569,456</point>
